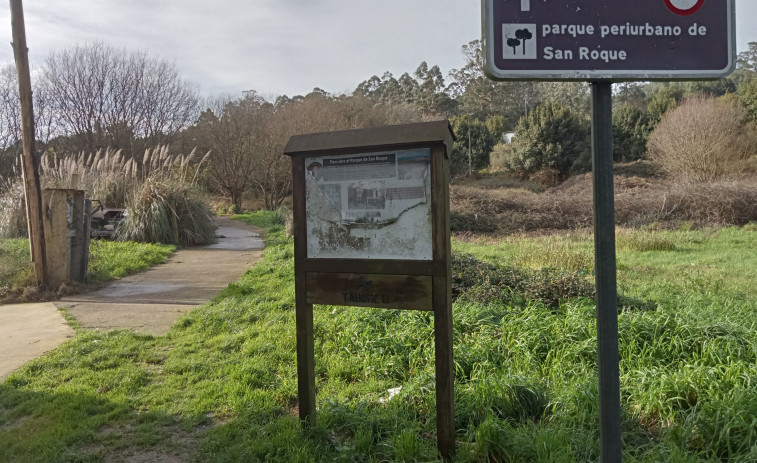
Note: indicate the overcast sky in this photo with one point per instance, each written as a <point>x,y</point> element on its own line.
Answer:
<point>275,46</point>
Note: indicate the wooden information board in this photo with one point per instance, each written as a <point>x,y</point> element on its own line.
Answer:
<point>371,229</point>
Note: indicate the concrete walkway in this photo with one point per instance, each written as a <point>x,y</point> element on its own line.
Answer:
<point>147,302</point>
<point>27,331</point>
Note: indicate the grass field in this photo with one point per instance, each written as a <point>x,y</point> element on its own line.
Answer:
<point>107,260</point>
<point>221,386</point>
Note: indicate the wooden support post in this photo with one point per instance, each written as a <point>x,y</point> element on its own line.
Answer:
<point>442,300</point>
<point>30,164</point>
<point>304,315</point>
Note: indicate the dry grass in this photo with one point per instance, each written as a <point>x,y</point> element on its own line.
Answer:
<point>640,168</point>
<point>498,180</point>
<point>111,177</point>
<point>12,210</point>
<point>160,188</point>
<point>639,202</point>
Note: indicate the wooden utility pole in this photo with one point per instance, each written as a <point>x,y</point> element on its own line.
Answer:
<point>30,164</point>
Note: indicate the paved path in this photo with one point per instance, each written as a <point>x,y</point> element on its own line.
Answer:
<point>147,302</point>
<point>27,331</point>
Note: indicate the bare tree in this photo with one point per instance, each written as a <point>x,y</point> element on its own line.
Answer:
<point>233,131</point>
<point>10,128</point>
<point>10,117</point>
<point>247,137</point>
<point>104,96</point>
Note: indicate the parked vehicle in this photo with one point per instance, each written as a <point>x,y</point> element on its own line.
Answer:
<point>104,220</point>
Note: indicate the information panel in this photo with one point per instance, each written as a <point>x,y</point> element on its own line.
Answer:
<point>608,39</point>
<point>369,206</point>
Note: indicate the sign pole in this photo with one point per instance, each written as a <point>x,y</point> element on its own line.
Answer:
<point>605,272</point>
<point>604,42</point>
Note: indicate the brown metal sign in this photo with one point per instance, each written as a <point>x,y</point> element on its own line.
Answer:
<point>609,39</point>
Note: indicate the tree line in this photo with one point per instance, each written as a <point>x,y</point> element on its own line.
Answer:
<point>94,96</point>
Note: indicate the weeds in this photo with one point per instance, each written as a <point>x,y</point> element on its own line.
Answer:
<point>15,266</point>
<point>641,242</point>
<point>476,281</point>
<point>554,252</point>
<point>166,205</point>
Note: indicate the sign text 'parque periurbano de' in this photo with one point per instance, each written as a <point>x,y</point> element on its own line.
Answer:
<point>608,39</point>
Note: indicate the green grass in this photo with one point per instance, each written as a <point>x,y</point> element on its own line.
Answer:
<point>15,263</point>
<point>223,381</point>
<point>108,260</point>
<point>114,259</point>
<point>573,252</point>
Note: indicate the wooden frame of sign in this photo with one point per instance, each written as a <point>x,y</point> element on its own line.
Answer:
<point>371,229</point>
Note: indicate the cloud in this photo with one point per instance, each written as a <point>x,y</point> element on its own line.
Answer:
<point>275,46</point>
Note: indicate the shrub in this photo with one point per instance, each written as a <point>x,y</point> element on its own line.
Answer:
<point>547,177</point>
<point>726,202</point>
<point>501,157</point>
<point>630,127</point>
<point>168,212</point>
<point>703,139</point>
<point>472,148</point>
<point>477,281</point>
<point>747,96</point>
<point>550,137</point>
<point>474,223</point>
<point>641,168</point>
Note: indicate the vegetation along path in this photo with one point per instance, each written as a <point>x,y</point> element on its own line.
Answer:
<point>149,302</point>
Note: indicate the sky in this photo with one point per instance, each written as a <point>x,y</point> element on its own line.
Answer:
<point>275,47</point>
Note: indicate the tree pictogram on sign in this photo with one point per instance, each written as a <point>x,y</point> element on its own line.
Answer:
<point>684,7</point>
<point>521,39</point>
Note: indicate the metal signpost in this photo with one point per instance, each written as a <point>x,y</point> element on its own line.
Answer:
<point>371,229</point>
<point>602,41</point>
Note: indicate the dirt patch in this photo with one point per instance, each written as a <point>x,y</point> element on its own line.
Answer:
<point>14,423</point>
<point>174,444</point>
